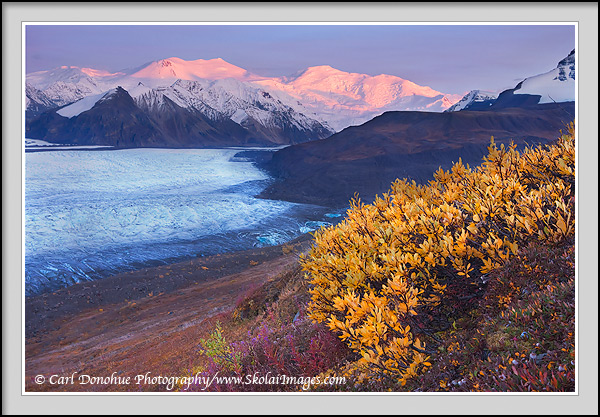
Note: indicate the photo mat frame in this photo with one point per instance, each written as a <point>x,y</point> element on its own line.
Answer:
<point>319,402</point>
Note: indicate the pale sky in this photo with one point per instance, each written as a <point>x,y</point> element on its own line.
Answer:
<point>452,59</point>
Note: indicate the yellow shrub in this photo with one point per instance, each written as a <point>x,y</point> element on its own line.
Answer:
<point>388,262</point>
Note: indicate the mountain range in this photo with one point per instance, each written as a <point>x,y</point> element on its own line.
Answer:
<point>387,127</point>
<point>310,105</point>
<point>413,144</point>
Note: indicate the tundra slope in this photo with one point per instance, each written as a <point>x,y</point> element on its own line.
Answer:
<point>367,158</point>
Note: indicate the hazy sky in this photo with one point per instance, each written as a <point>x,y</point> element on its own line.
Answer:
<point>448,58</point>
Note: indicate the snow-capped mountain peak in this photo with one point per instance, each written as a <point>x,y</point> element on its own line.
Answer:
<point>139,90</point>
<point>566,67</point>
<point>100,73</point>
<point>473,98</point>
<point>177,68</point>
<point>343,98</point>
<point>318,72</point>
<point>71,75</point>
<point>557,85</point>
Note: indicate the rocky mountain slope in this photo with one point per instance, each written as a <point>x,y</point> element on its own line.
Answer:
<point>116,119</point>
<point>474,100</point>
<point>413,145</point>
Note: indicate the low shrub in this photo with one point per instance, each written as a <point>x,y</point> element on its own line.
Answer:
<point>416,261</point>
<point>262,361</point>
<point>281,342</point>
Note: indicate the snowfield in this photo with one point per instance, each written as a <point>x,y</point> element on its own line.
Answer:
<point>82,105</point>
<point>89,215</point>
<point>549,87</point>
<point>557,85</point>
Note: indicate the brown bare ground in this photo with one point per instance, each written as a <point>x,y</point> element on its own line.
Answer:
<point>93,330</point>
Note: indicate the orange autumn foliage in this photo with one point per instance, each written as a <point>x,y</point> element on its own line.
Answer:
<point>389,262</point>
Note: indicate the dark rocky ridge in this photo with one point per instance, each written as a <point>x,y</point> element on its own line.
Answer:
<point>114,121</point>
<point>117,120</point>
<point>368,158</point>
<point>189,128</point>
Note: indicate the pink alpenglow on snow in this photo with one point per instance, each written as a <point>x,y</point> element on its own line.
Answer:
<point>207,69</point>
<point>358,97</point>
<point>100,73</point>
<point>329,95</point>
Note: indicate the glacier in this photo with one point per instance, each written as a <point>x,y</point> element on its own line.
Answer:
<point>91,214</point>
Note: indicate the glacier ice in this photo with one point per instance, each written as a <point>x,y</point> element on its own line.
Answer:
<point>333,215</point>
<point>90,214</point>
<point>311,226</point>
